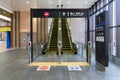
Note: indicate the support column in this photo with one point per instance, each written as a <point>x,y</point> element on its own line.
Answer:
<point>15,32</point>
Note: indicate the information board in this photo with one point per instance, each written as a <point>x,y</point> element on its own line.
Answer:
<point>51,13</point>
<point>101,39</point>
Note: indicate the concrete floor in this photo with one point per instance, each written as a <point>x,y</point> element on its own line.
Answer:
<point>14,66</point>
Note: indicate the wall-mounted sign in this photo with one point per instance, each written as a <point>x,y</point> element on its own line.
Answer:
<point>4,29</point>
<point>53,13</point>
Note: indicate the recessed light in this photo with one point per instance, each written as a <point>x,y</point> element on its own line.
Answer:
<point>59,1</point>
<point>86,2</point>
<point>51,2</point>
<point>27,2</point>
<point>68,2</point>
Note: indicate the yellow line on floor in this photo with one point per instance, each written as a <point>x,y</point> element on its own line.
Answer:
<point>59,64</point>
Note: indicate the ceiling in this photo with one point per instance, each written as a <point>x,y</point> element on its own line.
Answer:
<point>25,5</point>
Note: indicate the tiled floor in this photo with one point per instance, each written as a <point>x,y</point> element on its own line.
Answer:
<point>14,66</point>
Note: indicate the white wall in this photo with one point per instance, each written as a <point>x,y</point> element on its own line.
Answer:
<point>77,26</point>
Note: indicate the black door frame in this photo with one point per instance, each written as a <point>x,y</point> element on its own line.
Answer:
<point>39,13</point>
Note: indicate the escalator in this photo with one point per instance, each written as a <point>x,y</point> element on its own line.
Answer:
<point>67,45</point>
<point>51,46</point>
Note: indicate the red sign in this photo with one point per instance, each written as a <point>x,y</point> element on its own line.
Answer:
<point>46,14</point>
<point>43,68</point>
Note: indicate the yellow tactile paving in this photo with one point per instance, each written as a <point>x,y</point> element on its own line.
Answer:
<point>59,64</point>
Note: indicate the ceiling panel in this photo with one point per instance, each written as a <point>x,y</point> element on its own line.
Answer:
<point>24,5</point>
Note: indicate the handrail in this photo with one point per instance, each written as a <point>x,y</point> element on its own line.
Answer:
<point>59,39</point>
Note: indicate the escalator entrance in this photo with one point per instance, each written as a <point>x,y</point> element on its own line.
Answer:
<point>59,38</point>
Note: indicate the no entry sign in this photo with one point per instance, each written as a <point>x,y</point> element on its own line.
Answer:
<point>43,68</point>
<point>46,14</point>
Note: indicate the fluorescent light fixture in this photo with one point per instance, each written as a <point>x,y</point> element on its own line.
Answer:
<point>5,18</point>
<point>27,2</point>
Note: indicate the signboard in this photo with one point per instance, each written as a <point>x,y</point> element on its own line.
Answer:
<point>53,13</point>
<point>43,68</point>
<point>74,68</point>
<point>101,39</point>
<point>4,29</point>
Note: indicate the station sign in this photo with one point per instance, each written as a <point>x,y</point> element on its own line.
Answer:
<point>4,29</point>
<point>59,13</point>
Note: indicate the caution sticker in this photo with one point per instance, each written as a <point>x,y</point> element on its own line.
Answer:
<point>43,68</point>
<point>74,68</point>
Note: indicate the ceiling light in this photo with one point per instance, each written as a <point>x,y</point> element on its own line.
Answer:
<point>27,2</point>
<point>51,2</point>
<point>86,2</point>
<point>68,2</point>
<point>59,1</point>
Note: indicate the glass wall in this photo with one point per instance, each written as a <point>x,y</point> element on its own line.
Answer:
<point>113,23</point>
<point>44,38</point>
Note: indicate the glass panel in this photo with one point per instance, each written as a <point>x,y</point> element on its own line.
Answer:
<point>71,33</point>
